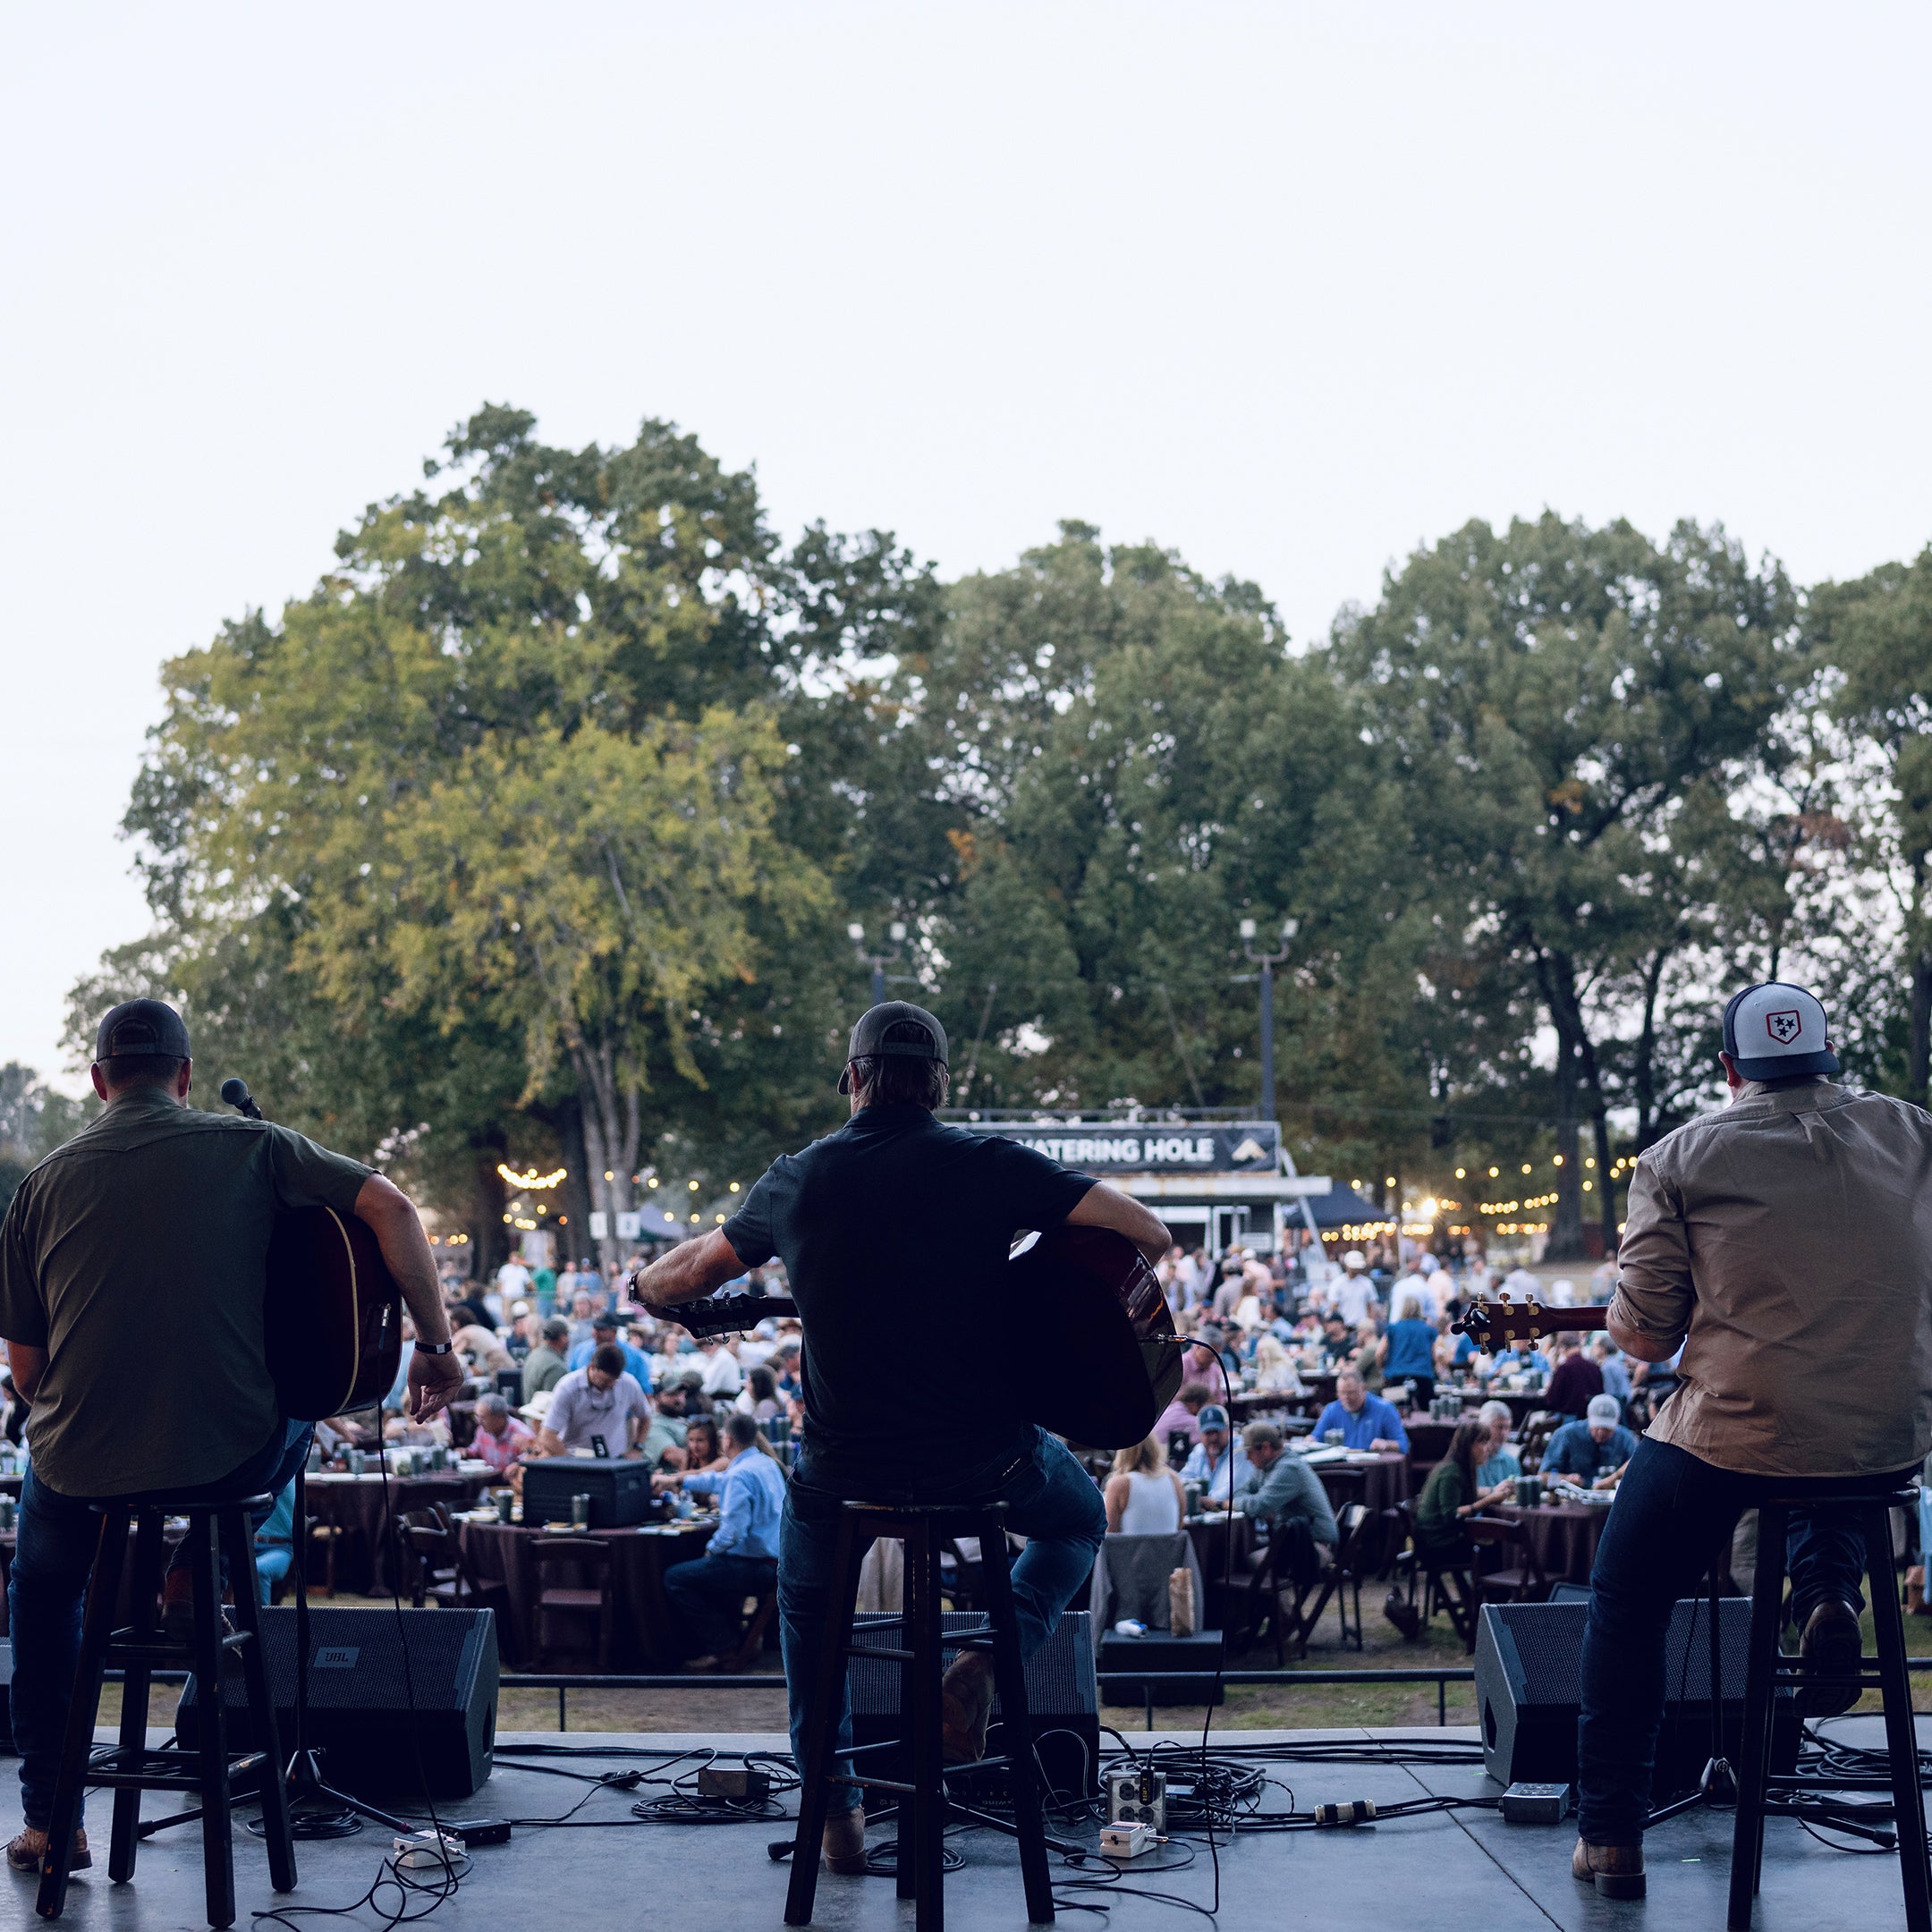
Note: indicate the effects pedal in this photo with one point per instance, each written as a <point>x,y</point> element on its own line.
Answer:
<point>1126,1841</point>
<point>1138,1797</point>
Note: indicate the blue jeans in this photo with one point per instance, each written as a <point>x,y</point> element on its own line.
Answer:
<point>707,1595</point>
<point>1050,1500</point>
<point>59,1535</point>
<point>1674,1514</point>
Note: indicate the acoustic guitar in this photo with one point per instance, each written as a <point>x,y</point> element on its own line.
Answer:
<point>333,1318</point>
<point>1494,1325</point>
<point>1099,1362</point>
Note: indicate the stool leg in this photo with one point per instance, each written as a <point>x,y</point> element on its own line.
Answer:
<point>821,1730</point>
<point>1907,1797</point>
<point>926,1721</point>
<point>1009,1674</point>
<point>1768,1596</point>
<point>271,1782</point>
<point>218,1843</point>
<point>906,1874</point>
<point>97,1625</point>
<point>134,1690</point>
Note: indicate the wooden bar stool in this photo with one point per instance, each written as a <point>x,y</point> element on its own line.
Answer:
<point>1760,1789</point>
<point>129,1767</point>
<point>923,1804</point>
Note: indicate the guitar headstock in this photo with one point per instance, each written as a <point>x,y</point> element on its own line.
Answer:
<point>1495,1326</point>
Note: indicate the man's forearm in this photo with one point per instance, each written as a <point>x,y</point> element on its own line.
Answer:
<point>692,1269</point>
<point>391,1217</point>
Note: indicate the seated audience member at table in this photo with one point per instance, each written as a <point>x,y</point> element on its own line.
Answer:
<point>1216,1463</point>
<point>604,1334</point>
<point>1337,1341</point>
<point>1576,1381</point>
<point>1407,1352</point>
<point>1594,1451</point>
<point>481,1351</point>
<point>741,1558</point>
<point>500,1438</point>
<point>548,1362</point>
<point>758,1398</point>
<point>1142,1494</point>
<point>1182,1415</point>
<point>1284,1492</point>
<point>1609,1360</point>
<point>583,1311</point>
<point>1368,1353</point>
<point>1449,1496</point>
<point>601,1399</point>
<point>1497,1465</point>
<point>722,1375</point>
<point>275,1543</point>
<point>1275,1370</point>
<point>701,1450</point>
<point>1209,1357</point>
<point>1366,1420</point>
<point>467,1308</point>
<point>1525,1355</point>
<point>663,1443</point>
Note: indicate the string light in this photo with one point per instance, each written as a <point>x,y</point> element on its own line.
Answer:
<point>537,1183</point>
<point>1460,1173</point>
<point>694,1187</point>
<point>652,1181</point>
<point>733,1188</point>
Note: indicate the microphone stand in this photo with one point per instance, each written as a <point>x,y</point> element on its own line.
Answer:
<point>1718,1785</point>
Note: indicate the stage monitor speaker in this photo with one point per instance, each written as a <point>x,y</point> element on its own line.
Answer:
<point>1061,1700</point>
<point>1529,1686</point>
<point>380,1696</point>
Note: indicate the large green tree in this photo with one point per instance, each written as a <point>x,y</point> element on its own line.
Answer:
<point>1556,701</point>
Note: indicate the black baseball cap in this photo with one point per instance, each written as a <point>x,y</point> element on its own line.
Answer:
<point>141,1026</point>
<point>868,1036</point>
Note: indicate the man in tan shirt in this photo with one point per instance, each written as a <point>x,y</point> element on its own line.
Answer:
<point>1784,1243</point>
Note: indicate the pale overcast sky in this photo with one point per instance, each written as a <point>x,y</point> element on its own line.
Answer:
<point>1292,289</point>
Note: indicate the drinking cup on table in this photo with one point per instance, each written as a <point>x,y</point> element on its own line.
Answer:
<point>580,1510</point>
<point>1192,1493</point>
<point>506,1505</point>
<point>7,1513</point>
<point>1334,1438</point>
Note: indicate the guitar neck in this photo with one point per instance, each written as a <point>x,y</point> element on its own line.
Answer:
<point>1493,1325</point>
<point>728,1314</point>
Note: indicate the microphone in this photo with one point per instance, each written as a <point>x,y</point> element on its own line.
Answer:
<point>235,1093</point>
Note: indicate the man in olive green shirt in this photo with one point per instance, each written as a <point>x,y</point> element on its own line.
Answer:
<point>132,1277</point>
<point>545,1366</point>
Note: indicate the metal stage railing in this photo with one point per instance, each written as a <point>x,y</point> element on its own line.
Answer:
<point>564,1682</point>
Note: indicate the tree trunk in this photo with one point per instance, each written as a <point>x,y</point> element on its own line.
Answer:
<point>490,1245</point>
<point>612,1130</point>
<point>1643,1074</point>
<point>1918,1035</point>
<point>565,1119</point>
<point>1557,976</point>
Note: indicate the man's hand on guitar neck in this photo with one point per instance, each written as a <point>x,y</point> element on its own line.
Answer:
<point>391,1217</point>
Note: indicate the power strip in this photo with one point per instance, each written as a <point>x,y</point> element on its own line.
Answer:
<point>1138,1797</point>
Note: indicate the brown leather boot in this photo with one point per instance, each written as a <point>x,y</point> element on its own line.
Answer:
<point>1830,1648</point>
<point>966,1707</point>
<point>25,1853</point>
<point>842,1846</point>
<point>1616,1870</point>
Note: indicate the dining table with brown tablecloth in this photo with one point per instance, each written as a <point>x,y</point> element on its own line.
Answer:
<point>643,1635</point>
<point>1563,1535</point>
<point>364,1510</point>
<point>1380,1478</point>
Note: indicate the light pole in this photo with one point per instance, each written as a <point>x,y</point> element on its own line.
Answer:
<point>1267,962</point>
<point>878,961</point>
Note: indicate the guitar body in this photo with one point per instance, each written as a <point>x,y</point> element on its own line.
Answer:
<point>332,1320</point>
<point>1101,1359</point>
<point>1098,1360</point>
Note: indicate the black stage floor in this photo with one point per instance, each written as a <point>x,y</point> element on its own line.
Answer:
<point>1453,1870</point>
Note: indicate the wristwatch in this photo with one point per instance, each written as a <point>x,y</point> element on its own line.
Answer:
<point>435,1348</point>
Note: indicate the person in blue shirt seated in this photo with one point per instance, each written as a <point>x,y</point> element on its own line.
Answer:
<point>1366,1421</point>
<point>1607,1357</point>
<point>742,1560</point>
<point>1592,1452</point>
<point>1513,1359</point>
<point>1408,1350</point>
<point>1497,1465</point>
<point>1215,1462</point>
<point>603,1331</point>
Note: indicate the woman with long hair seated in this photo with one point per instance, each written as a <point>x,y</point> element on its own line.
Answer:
<point>1450,1494</point>
<point>1142,1494</point>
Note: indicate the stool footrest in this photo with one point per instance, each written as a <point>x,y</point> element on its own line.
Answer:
<point>889,1657</point>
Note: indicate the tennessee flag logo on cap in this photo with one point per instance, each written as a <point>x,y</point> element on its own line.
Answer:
<point>1784,1027</point>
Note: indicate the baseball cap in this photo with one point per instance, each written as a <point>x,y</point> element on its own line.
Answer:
<point>1212,1416</point>
<point>1605,1410</point>
<point>1354,1257</point>
<point>141,1026</point>
<point>1776,1031</point>
<point>868,1036</point>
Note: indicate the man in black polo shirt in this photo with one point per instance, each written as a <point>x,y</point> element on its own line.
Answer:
<point>133,1276</point>
<point>895,1232</point>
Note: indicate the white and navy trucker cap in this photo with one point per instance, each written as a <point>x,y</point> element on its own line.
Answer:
<point>1776,1031</point>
